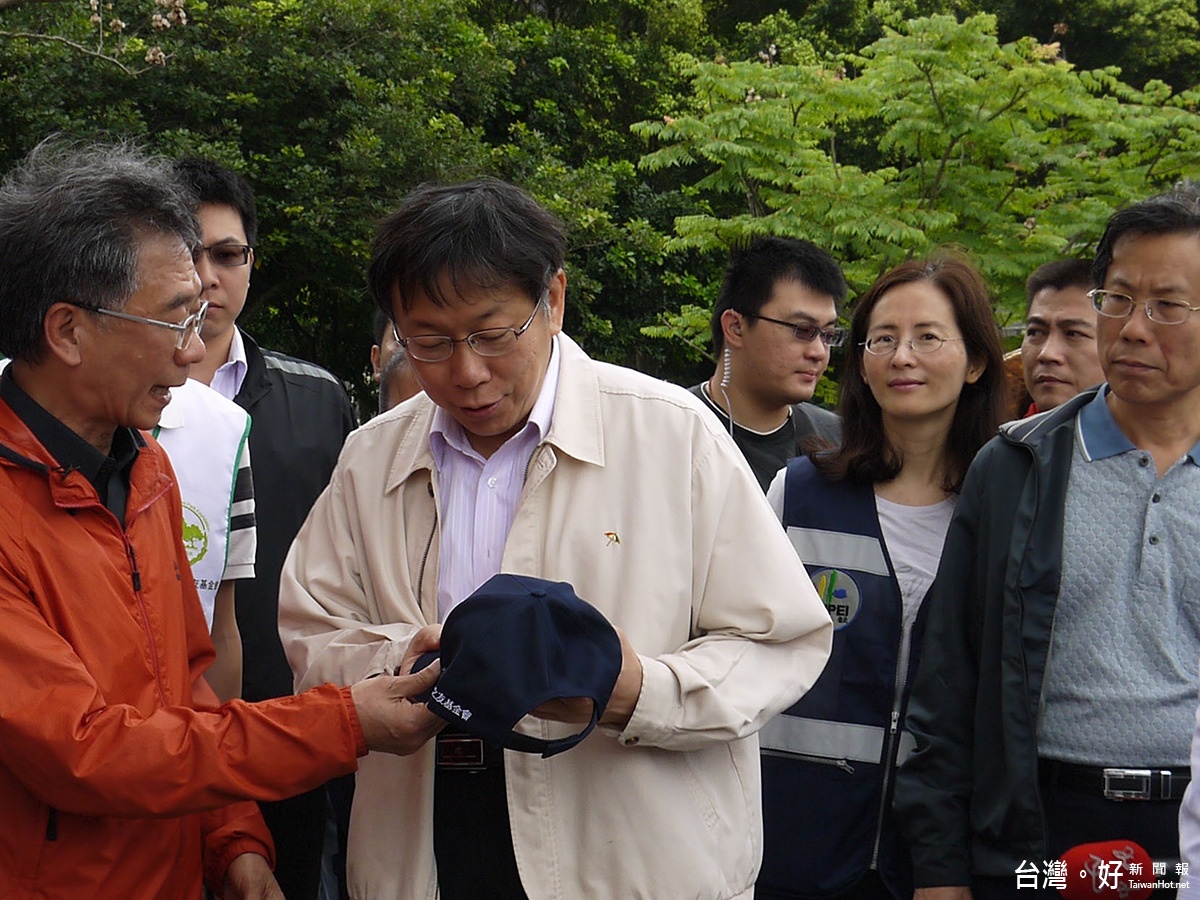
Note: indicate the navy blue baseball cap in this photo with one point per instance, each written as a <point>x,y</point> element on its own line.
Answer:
<point>515,643</point>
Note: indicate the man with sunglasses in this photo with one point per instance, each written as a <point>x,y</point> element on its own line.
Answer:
<point>301,416</point>
<point>773,325</point>
<point>1054,703</point>
<point>524,455</point>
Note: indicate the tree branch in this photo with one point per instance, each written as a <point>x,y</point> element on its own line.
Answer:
<point>1162,148</point>
<point>87,51</point>
<point>753,199</point>
<point>1017,97</point>
<point>933,94</point>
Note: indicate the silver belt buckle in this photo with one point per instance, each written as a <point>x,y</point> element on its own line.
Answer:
<point>459,751</point>
<point>1129,784</point>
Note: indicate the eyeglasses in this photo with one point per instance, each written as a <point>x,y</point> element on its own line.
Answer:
<point>887,344</point>
<point>227,256</point>
<point>1118,306</point>
<point>831,337</point>
<point>184,331</point>
<point>487,342</point>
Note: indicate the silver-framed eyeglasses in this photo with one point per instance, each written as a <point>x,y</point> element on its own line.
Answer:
<point>486,342</point>
<point>184,331</point>
<point>887,344</point>
<point>802,331</point>
<point>1115,305</point>
<point>227,256</point>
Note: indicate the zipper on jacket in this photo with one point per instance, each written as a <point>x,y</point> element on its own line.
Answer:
<point>529,466</point>
<point>136,578</point>
<point>134,571</point>
<point>428,547</point>
<point>52,825</point>
<point>843,764</point>
<point>1036,716</point>
<point>889,759</point>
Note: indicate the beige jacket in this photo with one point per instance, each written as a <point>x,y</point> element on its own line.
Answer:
<point>639,500</point>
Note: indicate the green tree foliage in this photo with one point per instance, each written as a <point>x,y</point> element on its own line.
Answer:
<point>1145,39</point>
<point>336,108</point>
<point>1004,151</point>
<point>332,109</point>
<point>583,74</point>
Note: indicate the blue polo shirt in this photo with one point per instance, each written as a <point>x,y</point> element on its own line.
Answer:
<point>1121,682</point>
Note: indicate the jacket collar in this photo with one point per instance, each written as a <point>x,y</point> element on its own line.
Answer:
<point>576,429</point>
<point>256,383</point>
<point>1088,415</point>
<point>1033,430</point>
<point>69,487</point>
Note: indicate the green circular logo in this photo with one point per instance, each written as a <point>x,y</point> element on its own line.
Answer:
<point>195,533</point>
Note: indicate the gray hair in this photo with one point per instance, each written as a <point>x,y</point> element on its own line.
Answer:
<point>73,218</point>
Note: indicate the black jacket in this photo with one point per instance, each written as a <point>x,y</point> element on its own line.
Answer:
<point>300,415</point>
<point>967,800</point>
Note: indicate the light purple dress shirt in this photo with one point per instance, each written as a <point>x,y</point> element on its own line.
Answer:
<point>228,378</point>
<point>478,497</point>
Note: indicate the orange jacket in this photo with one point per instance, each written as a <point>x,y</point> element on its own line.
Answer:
<point>120,777</point>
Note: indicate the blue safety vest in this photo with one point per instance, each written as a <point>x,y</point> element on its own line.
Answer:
<point>829,761</point>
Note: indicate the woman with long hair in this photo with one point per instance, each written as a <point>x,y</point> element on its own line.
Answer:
<point>921,390</point>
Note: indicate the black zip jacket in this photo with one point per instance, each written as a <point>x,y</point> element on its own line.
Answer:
<point>300,416</point>
<point>967,800</point>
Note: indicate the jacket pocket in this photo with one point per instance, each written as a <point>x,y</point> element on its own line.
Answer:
<point>29,826</point>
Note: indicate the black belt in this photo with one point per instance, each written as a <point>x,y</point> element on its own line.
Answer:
<point>472,839</point>
<point>1118,783</point>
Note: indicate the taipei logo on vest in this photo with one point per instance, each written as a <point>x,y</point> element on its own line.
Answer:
<point>195,533</point>
<point>840,595</point>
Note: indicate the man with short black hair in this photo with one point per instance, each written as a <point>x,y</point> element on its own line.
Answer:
<point>527,457</point>
<point>1054,701</point>
<point>773,325</point>
<point>1058,353</point>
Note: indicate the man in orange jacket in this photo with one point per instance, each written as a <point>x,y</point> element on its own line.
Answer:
<point>120,774</point>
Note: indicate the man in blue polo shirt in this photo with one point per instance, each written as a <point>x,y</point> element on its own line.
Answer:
<point>1054,702</point>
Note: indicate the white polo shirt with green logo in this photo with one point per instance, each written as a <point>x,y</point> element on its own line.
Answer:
<point>206,438</point>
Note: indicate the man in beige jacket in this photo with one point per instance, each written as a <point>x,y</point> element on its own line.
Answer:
<point>523,455</point>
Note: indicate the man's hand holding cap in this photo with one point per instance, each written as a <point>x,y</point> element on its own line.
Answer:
<point>392,722</point>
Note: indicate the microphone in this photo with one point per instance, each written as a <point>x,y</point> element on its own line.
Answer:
<point>1108,869</point>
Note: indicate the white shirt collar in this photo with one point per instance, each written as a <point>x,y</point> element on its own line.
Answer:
<point>237,348</point>
<point>227,379</point>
